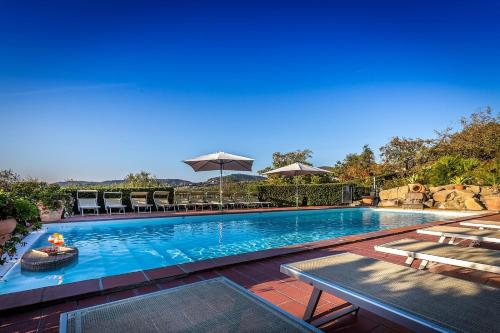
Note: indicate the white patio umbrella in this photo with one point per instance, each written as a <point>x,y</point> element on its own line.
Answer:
<point>297,169</point>
<point>220,161</point>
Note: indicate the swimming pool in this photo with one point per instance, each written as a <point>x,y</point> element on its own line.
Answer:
<point>121,246</point>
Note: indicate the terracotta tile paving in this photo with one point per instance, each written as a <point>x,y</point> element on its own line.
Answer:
<point>263,278</point>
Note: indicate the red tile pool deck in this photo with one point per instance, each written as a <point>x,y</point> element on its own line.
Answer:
<point>38,310</point>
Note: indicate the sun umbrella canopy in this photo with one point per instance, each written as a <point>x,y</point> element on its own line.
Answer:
<point>297,169</point>
<point>220,160</point>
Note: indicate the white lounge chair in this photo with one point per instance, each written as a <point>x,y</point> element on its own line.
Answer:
<point>214,200</point>
<point>217,305</point>
<point>182,199</point>
<point>253,200</point>
<point>160,199</point>
<point>113,203</point>
<point>453,233</point>
<point>418,300</point>
<point>197,199</point>
<point>240,200</point>
<point>482,224</point>
<point>139,200</point>
<point>469,257</point>
<point>87,203</point>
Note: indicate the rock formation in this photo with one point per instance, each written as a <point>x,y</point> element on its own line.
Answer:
<point>473,197</point>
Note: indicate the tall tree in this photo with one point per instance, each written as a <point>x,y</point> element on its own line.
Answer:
<point>284,159</point>
<point>356,166</point>
<point>478,138</point>
<point>7,178</point>
<point>405,154</point>
<point>141,179</point>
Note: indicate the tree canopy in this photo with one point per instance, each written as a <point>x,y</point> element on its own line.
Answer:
<point>283,159</point>
<point>141,179</point>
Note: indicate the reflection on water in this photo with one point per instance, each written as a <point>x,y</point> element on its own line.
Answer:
<point>115,247</point>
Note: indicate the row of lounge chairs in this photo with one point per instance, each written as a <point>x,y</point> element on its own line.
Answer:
<point>202,200</point>
<point>113,201</point>
<point>413,298</point>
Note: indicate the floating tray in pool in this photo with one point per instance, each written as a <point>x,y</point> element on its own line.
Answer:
<point>39,260</point>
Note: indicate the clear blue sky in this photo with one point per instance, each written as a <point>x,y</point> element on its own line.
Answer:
<point>93,89</point>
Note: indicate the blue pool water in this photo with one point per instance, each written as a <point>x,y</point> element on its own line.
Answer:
<point>120,246</point>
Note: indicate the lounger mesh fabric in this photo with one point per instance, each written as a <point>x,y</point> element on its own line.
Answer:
<point>208,306</point>
<point>471,254</point>
<point>479,223</point>
<point>465,231</point>
<point>452,303</point>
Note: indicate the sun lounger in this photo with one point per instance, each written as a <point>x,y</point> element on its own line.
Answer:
<point>240,200</point>
<point>160,198</point>
<point>213,200</point>
<point>113,203</point>
<point>139,200</point>
<point>254,201</point>
<point>182,199</point>
<point>87,203</point>
<point>418,300</point>
<point>461,233</point>
<point>469,257</point>
<point>216,305</point>
<point>198,200</point>
<point>228,201</point>
<point>482,224</point>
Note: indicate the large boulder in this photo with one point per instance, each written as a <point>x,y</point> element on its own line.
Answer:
<point>473,204</point>
<point>452,204</point>
<point>443,195</point>
<point>415,196</point>
<point>473,188</point>
<point>394,193</point>
<point>434,189</point>
<point>463,194</point>
<point>429,203</point>
<point>388,203</point>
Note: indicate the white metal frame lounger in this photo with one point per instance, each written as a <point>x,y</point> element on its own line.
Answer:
<point>482,224</point>
<point>469,257</point>
<point>216,305</point>
<point>87,203</point>
<point>197,199</point>
<point>182,199</point>
<point>160,198</point>
<point>140,200</point>
<point>476,235</point>
<point>113,203</point>
<point>419,300</point>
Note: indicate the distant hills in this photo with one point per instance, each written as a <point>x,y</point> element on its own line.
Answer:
<point>237,177</point>
<point>167,181</point>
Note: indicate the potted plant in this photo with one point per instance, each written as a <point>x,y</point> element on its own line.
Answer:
<point>459,182</point>
<point>50,199</point>
<point>7,221</point>
<point>18,216</point>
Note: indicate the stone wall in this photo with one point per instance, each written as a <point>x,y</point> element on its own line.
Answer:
<point>471,197</point>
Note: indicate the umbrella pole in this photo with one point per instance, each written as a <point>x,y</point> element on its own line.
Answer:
<point>296,194</point>
<point>220,188</point>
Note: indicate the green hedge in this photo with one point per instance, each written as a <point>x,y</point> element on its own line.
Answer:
<point>125,194</point>
<point>309,195</point>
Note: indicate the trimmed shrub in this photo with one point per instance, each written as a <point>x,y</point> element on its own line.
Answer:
<point>309,194</point>
<point>125,194</point>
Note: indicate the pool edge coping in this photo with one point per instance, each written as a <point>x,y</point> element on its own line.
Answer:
<point>101,286</point>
